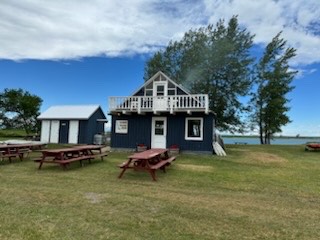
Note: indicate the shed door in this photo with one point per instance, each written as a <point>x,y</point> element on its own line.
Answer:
<point>159,132</point>
<point>64,131</point>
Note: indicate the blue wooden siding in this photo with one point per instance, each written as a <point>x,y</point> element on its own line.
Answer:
<point>88,128</point>
<point>139,131</point>
<point>176,133</point>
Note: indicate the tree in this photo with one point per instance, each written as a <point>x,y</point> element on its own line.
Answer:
<point>19,109</point>
<point>211,60</point>
<point>273,83</point>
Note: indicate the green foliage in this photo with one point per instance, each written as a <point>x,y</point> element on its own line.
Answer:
<point>19,109</point>
<point>214,61</point>
<point>273,80</point>
<point>6,134</point>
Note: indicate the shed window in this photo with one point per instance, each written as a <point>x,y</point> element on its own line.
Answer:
<point>194,129</point>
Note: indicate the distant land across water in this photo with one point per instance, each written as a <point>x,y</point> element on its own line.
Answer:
<point>276,140</point>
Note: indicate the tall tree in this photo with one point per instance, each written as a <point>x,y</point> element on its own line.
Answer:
<point>20,109</point>
<point>211,60</point>
<point>273,83</point>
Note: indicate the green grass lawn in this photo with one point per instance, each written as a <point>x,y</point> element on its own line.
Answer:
<point>256,192</point>
<point>6,134</point>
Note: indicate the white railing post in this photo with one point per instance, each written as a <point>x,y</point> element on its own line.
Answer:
<point>139,105</point>
<point>206,104</point>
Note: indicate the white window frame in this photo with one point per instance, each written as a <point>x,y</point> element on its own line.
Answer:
<point>201,129</point>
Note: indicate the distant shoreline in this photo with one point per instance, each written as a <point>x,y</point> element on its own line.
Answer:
<point>277,137</point>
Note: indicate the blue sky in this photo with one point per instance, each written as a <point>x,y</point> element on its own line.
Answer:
<point>82,52</point>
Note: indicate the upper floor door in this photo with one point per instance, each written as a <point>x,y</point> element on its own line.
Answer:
<point>160,100</point>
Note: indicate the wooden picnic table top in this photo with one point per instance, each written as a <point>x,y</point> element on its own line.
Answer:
<point>151,153</point>
<point>89,147</point>
<point>60,150</point>
<point>19,146</point>
<point>15,146</point>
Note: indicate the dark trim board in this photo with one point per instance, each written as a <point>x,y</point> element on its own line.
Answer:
<point>140,126</point>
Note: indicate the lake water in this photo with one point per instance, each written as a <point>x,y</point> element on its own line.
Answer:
<point>276,141</point>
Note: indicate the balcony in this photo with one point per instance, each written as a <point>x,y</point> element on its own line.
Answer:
<point>158,104</point>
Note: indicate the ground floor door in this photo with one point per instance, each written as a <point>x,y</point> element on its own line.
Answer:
<point>159,132</point>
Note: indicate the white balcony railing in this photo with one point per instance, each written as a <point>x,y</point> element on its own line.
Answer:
<point>176,103</point>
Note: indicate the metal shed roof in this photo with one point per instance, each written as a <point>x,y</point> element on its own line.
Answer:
<point>69,112</point>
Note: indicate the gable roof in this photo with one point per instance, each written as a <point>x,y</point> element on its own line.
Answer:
<point>81,112</point>
<point>169,80</point>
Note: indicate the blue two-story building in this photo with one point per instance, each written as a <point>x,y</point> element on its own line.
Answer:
<point>161,114</point>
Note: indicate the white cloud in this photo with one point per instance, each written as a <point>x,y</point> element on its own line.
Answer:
<point>73,29</point>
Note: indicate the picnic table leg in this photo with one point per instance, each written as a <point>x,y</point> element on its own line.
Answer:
<point>40,164</point>
<point>64,166</point>
<point>150,170</point>
<point>153,174</point>
<point>122,172</point>
<point>125,168</point>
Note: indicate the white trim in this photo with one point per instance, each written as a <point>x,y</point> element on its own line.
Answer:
<point>186,129</point>
<point>154,77</point>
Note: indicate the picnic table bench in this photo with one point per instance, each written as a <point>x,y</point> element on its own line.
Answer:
<point>149,161</point>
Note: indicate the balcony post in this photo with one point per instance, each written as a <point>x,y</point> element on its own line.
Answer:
<point>139,105</point>
<point>206,104</point>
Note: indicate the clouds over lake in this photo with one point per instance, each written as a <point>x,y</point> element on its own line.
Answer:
<point>59,29</point>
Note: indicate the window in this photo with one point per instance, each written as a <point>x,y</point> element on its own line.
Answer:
<point>122,126</point>
<point>160,90</point>
<point>149,92</point>
<point>159,127</point>
<point>194,129</point>
<point>171,92</point>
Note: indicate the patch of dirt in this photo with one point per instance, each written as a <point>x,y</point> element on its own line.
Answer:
<point>198,168</point>
<point>93,197</point>
<point>266,157</point>
<point>238,149</point>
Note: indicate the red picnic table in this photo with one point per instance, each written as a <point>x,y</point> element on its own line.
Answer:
<point>15,150</point>
<point>312,146</point>
<point>149,160</point>
<point>65,156</point>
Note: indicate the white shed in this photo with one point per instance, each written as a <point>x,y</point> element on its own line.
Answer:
<point>72,123</point>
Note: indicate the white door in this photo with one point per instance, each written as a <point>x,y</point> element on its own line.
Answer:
<point>160,96</point>
<point>159,132</point>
